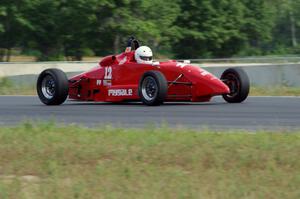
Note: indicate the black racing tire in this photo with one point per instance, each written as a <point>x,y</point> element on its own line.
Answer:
<point>238,82</point>
<point>153,88</point>
<point>52,87</point>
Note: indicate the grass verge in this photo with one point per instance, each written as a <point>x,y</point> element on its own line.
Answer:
<point>46,161</point>
<point>8,87</point>
<point>275,91</point>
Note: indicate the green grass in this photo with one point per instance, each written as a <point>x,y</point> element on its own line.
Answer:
<point>275,91</point>
<point>8,87</point>
<point>46,161</point>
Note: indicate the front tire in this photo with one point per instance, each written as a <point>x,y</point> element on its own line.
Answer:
<point>52,87</point>
<point>153,88</point>
<point>238,82</point>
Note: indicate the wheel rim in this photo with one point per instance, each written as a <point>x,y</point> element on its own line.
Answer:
<point>233,83</point>
<point>149,88</point>
<point>48,87</point>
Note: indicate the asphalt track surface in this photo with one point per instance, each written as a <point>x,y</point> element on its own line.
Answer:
<point>271,113</point>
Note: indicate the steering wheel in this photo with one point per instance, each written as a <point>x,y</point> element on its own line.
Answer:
<point>133,43</point>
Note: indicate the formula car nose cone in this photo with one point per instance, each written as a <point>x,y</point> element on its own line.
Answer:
<point>207,84</point>
<point>218,87</point>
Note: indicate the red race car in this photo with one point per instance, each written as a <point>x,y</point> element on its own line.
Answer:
<point>134,76</point>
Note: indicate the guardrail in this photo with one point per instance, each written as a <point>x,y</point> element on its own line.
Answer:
<point>261,74</point>
<point>271,59</point>
<point>33,68</point>
<point>264,59</point>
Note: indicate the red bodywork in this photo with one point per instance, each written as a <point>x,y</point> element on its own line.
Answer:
<point>117,79</point>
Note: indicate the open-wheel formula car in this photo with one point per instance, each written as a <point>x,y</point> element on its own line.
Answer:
<point>134,76</point>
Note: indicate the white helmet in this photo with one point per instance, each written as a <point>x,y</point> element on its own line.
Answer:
<point>143,55</point>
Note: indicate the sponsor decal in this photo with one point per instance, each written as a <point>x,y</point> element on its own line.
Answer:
<point>120,92</point>
<point>107,83</point>
<point>156,63</point>
<point>204,73</point>
<point>98,82</point>
<point>123,61</point>
<point>181,65</point>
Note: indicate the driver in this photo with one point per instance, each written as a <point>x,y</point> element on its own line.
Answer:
<point>143,55</point>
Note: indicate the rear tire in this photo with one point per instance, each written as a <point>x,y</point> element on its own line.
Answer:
<point>52,87</point>
<point>238,82</point>
<point>153,88</point>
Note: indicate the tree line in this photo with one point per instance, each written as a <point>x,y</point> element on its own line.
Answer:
<point>71,29</point>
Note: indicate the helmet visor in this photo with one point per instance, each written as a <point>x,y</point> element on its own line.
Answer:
<point>145,58</point>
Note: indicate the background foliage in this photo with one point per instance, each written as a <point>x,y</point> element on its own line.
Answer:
<point>71,29</point>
